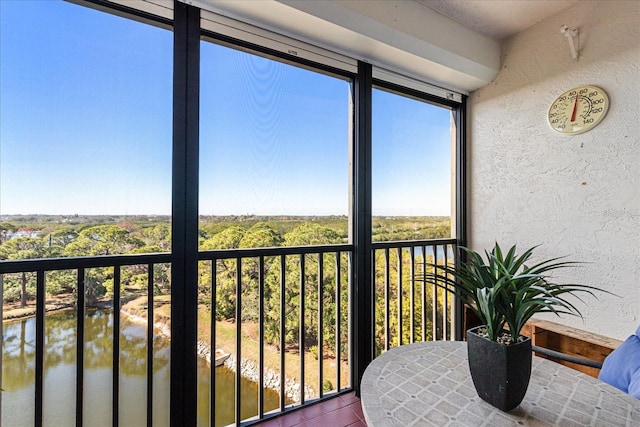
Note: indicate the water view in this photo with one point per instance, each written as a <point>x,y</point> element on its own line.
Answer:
<point>18,375</point>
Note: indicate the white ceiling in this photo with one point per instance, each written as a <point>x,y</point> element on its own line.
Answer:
<point>498,19</point>
<point>403,37</point>
<point>452,44</point>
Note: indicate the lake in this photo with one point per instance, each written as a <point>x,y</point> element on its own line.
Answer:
<point>18,375</point>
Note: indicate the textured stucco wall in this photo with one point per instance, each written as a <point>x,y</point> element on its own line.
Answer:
<point>578,195</point>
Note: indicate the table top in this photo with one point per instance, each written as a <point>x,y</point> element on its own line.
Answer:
<point>429,384</point>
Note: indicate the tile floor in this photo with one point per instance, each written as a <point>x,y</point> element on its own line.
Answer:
<point>341,411</point>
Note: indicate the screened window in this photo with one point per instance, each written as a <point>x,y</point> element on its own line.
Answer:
<point>411,168</point>
<point>85,169</point>
<point>274,151</point>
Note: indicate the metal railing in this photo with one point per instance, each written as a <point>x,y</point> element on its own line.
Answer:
<point>80,265</point>
<point>407,309</point>
<point>299,294</point>
<point>284,310</point>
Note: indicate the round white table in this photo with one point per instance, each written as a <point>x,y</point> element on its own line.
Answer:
<point>429,384</point>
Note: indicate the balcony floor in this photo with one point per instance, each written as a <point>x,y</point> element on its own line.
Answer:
<point>341,411</point>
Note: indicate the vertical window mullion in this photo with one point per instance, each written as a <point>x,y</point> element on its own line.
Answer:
<point>184,220</point>
<point>362,303</point>
<point>301,325</point>
<point>80,339</point>
<point>115,395</point>
<point>459,119</point>
<point>212,364</point>
<point>150,340</point>
<point>40,344</point>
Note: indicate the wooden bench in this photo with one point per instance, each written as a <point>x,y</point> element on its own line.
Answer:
<point>571,341</point>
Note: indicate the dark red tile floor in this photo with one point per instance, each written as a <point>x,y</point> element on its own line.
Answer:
<point>341,411</point>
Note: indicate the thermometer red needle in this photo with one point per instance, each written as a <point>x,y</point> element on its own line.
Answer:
<point>573,113</point>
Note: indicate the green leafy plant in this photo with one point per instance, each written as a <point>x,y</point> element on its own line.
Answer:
<point>503,290</point>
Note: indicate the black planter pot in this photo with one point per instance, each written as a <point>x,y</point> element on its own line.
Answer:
<point>500,372</point>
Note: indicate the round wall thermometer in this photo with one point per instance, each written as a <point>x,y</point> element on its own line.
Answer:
<point>578,110</point>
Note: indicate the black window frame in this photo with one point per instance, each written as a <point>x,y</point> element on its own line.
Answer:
<point>184,221</point>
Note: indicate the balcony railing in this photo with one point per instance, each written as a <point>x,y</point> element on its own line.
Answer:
<point>81,268</point>
<point>307,308</point>
<point>284,310</point>
<point>408,310</point>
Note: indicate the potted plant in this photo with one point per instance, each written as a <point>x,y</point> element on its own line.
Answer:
<point>503,291</point>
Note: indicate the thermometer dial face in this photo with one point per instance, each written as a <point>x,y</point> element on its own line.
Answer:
<point>578,110</point>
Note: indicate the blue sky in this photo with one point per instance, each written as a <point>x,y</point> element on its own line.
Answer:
<point>86,112</point>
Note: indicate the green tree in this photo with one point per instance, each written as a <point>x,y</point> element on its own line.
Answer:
<point>157,236</point>
<point>6,229</point>
<point>61,281</point>
<point>103,240</point>
<point>228,238</point>
<point>23,248</point>
<point>426,299</point>
<point>261,235</point>
<point>62,237</point>
<point>311,234</point>
<point>304,235</point>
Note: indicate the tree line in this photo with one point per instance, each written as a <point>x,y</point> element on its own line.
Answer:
<point>310,288</point>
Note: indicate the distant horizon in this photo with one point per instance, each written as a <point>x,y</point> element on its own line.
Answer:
<point>3,215</point>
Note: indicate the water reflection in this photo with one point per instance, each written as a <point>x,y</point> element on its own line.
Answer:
<point>18,375</point>
<point>225,405</point>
